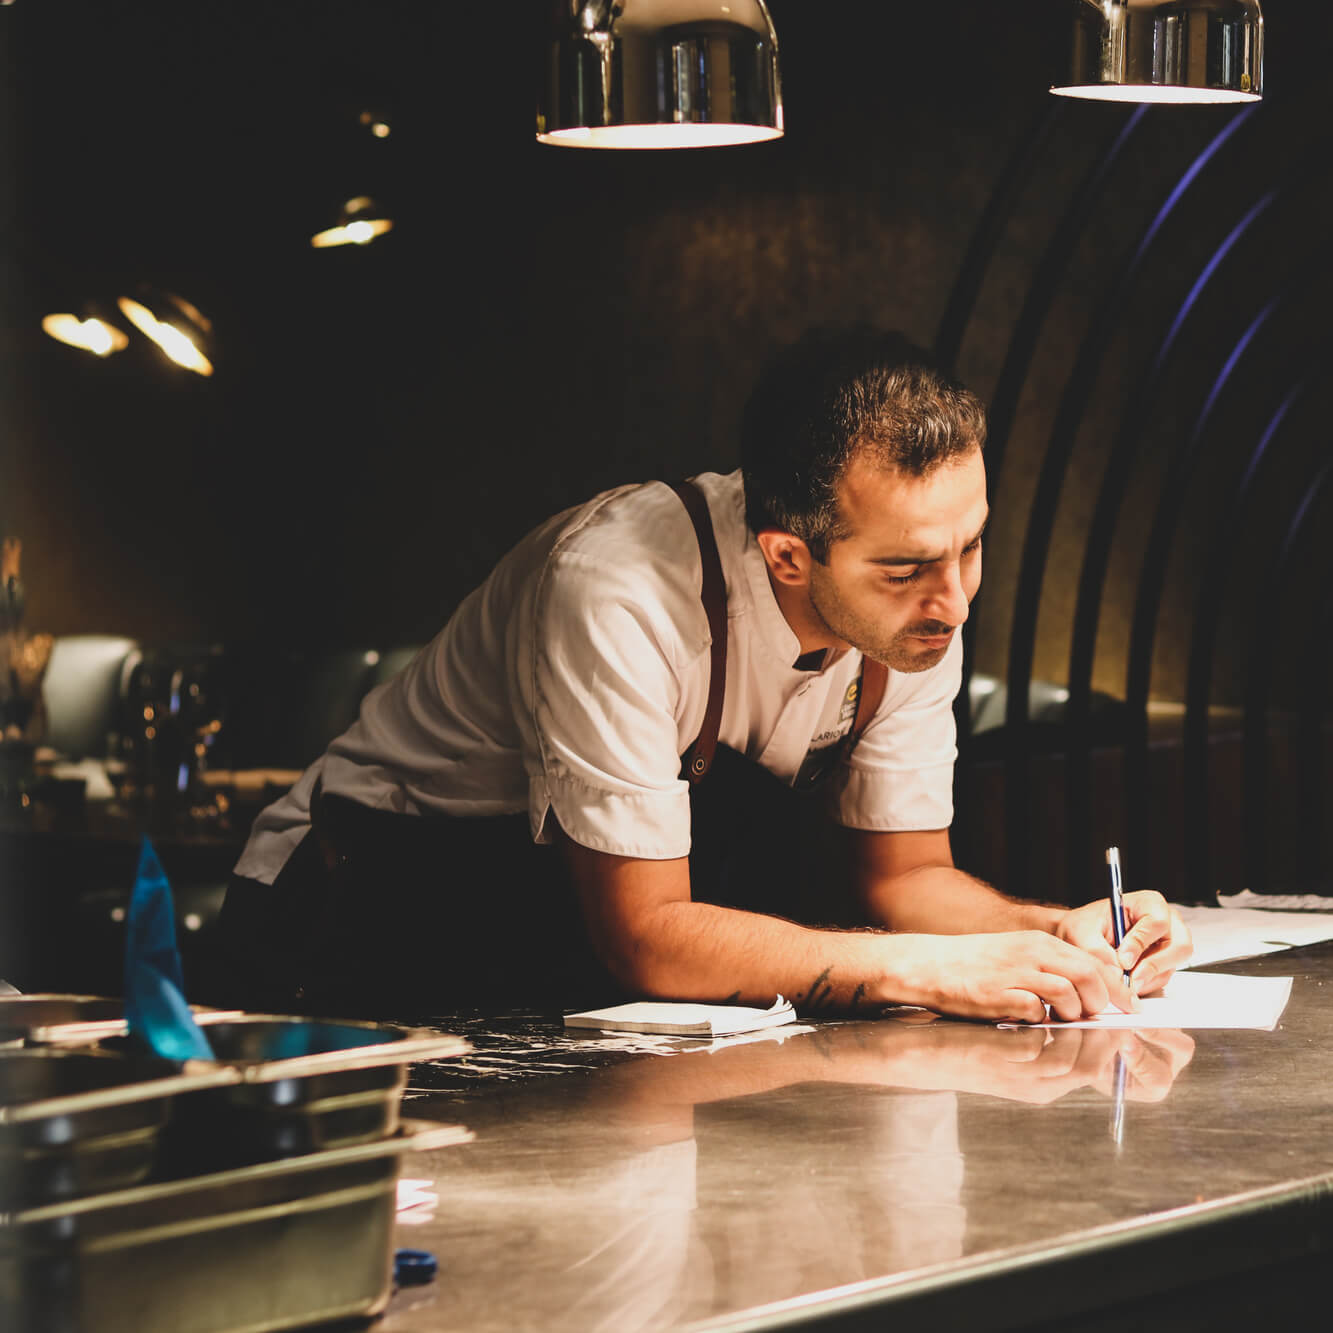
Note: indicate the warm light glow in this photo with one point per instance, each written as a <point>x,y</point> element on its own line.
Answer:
<point>1152,92</point>
<point>660,136</point>
<point>93,335</point>
<point>360,232</point>
<point>380,130</point>
<point>179,346</point>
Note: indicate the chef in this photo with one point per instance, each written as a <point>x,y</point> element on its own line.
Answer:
<point>691,742</point>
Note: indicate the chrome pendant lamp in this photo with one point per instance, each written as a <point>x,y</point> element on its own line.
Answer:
<point>659,74</point>
<point>1166,51</point>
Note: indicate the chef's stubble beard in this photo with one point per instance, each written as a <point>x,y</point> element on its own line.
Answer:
<point>896,653</point>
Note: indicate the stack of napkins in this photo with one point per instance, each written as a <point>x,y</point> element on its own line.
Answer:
<point>683,1019</point>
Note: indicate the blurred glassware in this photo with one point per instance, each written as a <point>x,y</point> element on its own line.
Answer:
<point>175,714</point>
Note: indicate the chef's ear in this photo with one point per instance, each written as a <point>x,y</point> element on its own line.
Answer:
<point>788,558</point>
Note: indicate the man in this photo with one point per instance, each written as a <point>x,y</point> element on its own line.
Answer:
<point>570,684</point>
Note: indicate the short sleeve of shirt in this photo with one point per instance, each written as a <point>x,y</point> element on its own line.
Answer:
<point>607,667</point>
<point>900,774</point>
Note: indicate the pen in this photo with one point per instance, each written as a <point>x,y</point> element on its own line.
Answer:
<point>1117,900</point>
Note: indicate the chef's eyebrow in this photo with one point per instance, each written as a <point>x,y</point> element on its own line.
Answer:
<point>894,560</point>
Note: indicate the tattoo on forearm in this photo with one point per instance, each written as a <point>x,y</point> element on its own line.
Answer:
<point>820,994</point>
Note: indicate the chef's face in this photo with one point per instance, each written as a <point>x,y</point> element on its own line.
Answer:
<point>898,583</point>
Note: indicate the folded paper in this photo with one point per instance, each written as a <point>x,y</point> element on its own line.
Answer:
<point>682,1018</point>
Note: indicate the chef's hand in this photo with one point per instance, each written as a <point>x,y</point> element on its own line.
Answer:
<point>1156,942</point>
<point>1009,975</point>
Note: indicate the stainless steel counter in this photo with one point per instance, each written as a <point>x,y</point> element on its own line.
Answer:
<point>935,1174</point>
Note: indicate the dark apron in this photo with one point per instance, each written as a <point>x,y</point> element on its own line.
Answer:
<point>391,915</point>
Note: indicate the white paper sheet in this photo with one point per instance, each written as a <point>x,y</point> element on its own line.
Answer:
<point>1201,1000</point>
<point>1290,902</point>
<point>1223,934</point>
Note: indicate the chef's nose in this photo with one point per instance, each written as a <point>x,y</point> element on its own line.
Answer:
<point>947,599</point>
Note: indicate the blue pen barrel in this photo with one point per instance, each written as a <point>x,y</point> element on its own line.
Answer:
<point>1117,901</point>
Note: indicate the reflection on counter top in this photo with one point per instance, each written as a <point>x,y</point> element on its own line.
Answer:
<point>641,1183</point>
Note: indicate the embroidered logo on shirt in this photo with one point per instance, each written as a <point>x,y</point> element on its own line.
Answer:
<point>849,700</point>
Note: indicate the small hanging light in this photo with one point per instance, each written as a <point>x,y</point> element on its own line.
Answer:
<point>92,331</point>
<point>660,74</point>
<point>176,326</point>
<point>1166,51</point>
<point>359,222</point>
<point>376,122</point>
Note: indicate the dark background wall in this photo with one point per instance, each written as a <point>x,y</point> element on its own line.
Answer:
<point>385,421</point>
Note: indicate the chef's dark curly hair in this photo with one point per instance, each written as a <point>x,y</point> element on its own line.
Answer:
<point>831,395</point>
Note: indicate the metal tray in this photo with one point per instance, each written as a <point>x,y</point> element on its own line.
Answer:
<point>277,1048</point>
<point>46,1018</point>
<point>271,1246</point>
<point>303,1085</point>
<point>75,1122</point>
<point>281,1086</point>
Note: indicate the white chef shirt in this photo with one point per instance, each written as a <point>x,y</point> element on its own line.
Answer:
<point>574,678</point>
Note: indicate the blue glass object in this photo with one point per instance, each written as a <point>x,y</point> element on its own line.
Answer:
<point>154,987</point>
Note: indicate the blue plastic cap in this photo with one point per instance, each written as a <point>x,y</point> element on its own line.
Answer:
<point>413,1267</point>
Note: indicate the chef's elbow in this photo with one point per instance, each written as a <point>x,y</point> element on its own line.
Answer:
<point>637,915</point>
<point>639,956</point>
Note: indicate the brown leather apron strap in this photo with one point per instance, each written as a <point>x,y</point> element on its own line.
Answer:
<point>319,827</point>
<point>697,760</point>
<point>874,677</point>
<point>699,757</point>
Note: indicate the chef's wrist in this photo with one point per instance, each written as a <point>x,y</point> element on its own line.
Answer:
<point>1044,916</point>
